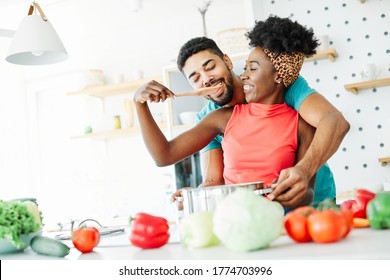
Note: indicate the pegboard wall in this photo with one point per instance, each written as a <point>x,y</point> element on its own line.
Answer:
<point>359,32</point>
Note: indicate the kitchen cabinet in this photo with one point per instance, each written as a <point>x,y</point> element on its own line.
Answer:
<point>355,87</point>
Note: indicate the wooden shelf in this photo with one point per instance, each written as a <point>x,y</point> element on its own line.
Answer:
<point>323,54</point>
<point>114,133</point>
<point>113,89</point>
<point>384,161</point>
<point>354,88</point>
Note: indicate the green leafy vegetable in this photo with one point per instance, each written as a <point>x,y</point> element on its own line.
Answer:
<point>17,219</point>
<point>244,221</point>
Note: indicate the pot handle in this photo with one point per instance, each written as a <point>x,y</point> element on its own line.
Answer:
<point>263,191</point>
<point>180,206</point>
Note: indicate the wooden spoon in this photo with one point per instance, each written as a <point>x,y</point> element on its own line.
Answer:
<point>199,92</point>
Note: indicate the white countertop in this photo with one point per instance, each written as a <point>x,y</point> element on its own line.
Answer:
<point>361,243</point>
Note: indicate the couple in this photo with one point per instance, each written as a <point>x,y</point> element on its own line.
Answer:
<point>264,139</point>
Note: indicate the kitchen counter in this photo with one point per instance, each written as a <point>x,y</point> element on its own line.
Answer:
<point>362,243</point>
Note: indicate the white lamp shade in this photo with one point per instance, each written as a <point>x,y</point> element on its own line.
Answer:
<point>36,43</point>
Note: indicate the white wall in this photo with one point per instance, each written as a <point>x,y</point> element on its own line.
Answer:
<point>120,178</point>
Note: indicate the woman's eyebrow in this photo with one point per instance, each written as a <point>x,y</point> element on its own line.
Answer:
<point>254,61</point>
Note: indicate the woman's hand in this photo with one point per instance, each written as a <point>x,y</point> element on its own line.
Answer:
<point>153,92</point>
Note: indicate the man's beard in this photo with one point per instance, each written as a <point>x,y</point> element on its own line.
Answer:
<point>228,96</point>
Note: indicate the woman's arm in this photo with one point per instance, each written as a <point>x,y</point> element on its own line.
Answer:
<point>166,152</point>
<point>331,128</point>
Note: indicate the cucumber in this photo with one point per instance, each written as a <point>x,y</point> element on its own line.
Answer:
<point>48,246</point>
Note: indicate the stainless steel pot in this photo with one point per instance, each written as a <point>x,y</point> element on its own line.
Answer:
<point>207,198</point>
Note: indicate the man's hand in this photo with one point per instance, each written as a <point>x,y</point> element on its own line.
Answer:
<point>153,92</point>
<point>291,187</point>
<point>177,197</point>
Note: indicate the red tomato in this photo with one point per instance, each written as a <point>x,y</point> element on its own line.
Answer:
<point>348,216</point>
<point>327,226</point>
<point>85,239</point>
<point>296,224</point>
<point>349,204</point>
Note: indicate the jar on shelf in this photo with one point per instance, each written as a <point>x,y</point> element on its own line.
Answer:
<point>117,122</point>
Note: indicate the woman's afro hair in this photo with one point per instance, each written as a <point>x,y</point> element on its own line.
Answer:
<point>282,35</point>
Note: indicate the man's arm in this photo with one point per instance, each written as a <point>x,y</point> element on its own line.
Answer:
<point>331,128</point>
<point>212,168</point>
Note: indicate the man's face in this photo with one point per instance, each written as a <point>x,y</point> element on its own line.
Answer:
<point>205,69</point>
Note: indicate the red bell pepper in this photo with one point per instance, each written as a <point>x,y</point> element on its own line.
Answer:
<point>359,204</point>
<point>149,231</point>
<point>362,197</point>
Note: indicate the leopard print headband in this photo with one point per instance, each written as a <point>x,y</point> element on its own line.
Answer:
<point>287,65</point>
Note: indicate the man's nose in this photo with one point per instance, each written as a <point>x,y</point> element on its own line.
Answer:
<point>207,79</point>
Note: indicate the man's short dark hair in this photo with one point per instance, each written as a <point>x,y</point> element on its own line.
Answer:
<point>194,46</point>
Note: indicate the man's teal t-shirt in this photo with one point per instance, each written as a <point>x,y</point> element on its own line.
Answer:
<point>296,93</point>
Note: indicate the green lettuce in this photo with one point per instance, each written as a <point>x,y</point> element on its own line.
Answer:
<point>16,219</point>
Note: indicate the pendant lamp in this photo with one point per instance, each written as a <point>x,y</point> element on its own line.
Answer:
<point>35,41</point>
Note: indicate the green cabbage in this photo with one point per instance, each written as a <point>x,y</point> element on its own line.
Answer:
<point>16,219</point>
<point>244,221</point>
<point>196,230</point>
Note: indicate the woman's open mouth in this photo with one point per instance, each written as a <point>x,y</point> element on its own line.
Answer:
<point>247,88</point>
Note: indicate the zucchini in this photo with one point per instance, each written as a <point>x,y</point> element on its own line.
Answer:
<point>48,246</point>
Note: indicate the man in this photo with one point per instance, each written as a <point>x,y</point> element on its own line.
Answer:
<point>204,65</point>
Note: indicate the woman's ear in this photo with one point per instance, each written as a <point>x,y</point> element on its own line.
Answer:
<point>278,79</point>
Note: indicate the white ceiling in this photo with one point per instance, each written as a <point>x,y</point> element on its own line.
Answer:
<point>6,3</point>
<point>10,3</point>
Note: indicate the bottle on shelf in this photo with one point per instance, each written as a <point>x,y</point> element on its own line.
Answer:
<point>117,122</point>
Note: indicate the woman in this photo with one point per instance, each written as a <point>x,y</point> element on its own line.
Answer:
<point>252,152</point>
